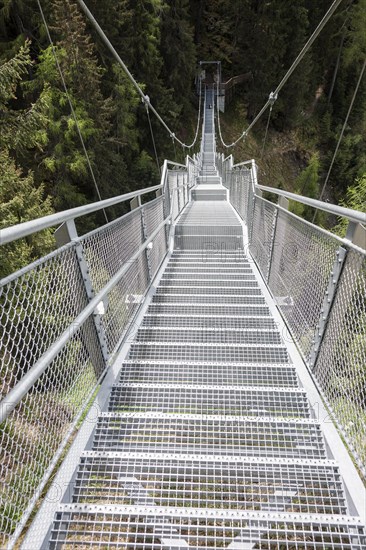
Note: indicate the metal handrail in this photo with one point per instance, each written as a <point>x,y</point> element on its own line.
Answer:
<point>352,215</point>
<point>25,229</point>
<point>11,400</point>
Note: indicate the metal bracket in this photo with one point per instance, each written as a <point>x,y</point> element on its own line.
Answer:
<point>67,232</point>
<point>328,301</point>
<point>148,248</point>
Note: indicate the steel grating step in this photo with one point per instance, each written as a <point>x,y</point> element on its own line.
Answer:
<point>92,526</point>
<point>208,290</point>
<point>223,322</point>
<point>199,242</point>
<point>248,281</point>
<point>234,353</point>
<point>210,256</point>
<point>211,229</point>
<point>199,434</point>
<point>204,260</point>
<point>196,269</point>
<point>209,399</point>
<point>210,299</point>
<point>208,373</point>
<point>202,335</point>
<point>216,276</point>
<point>208,309</point>
<point>288,485</point>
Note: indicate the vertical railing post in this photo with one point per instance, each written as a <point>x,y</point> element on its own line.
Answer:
<point>178,193</point>
<point>148,248</point>
<point>136,203</point>
<point>66,233</point>
<point>356,234</point>
<point>327,305</point>
<point>283,203</point>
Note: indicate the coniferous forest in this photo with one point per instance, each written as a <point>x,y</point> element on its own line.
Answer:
<point>43,164</point>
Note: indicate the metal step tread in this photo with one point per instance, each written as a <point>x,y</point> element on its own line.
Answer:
<point>215,276</point>
<point>242,353</point>
<point>203,263</point>
<point>204,322</point>
<point>205,336</point>
<point>194,481</point>
<point>211,299</point>
<point>213,310</point>
<point>209,290</point>
<point>209,434</point>
<point>208,373</point>
<point>245,281</point>
<point>113,526</point>
<point>222,266</point>
<point>209,399</point>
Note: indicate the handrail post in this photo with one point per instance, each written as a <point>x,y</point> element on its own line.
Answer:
<point>67,232</point>
<point>147,250</point>
<point>283,203</point>
<point>328,301</point>
<point>356,234</point>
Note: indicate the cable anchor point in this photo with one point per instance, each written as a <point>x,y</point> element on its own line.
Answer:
<point>272,98</point>
<point>146,101</point>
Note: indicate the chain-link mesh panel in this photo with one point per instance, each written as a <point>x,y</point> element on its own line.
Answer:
<point>36,306</point>
<point>124,300</point>
<point>158,251</point>
<point>35,309</point>
<point>302,262</point>
<point>107,249</point>
<point>153,217</point>
<point>172,185</point>
<point>341,366</point>
<point>239,191</point>
<point>264,220</point>
<point>36,428</point>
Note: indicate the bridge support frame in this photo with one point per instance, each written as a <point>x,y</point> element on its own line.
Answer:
<point>356,234</point>
<point>67,232</point>
<point>136,203</point>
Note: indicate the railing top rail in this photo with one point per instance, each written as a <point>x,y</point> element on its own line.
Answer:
<point>244,163</point>
<point>15,232</point>
<point>352,215</point>
<point>24,229</point>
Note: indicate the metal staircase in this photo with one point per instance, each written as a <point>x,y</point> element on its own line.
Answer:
<point>207,438</point>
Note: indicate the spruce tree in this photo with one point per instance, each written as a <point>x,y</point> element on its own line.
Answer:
<point>20,199</point>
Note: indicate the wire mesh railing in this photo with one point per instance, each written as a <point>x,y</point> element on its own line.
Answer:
<point>318,280</point>
<point>62,319</point>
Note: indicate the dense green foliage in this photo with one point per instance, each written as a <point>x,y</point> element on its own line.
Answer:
<point>161,42</point>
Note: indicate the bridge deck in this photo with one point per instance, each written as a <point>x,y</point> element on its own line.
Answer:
<point>208,439</point>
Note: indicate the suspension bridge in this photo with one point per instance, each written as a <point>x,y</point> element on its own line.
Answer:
<point>202,315</point>
<point>209,348</point>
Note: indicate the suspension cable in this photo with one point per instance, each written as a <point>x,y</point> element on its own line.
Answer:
<point>113,51</point>
<point>341,134</point>
<point>64,85</point>
<point>152,137</point>
<point>300,56</point>
<point>273,99</point>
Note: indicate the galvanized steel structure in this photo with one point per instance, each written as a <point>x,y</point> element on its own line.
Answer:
<point>226,334</point>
